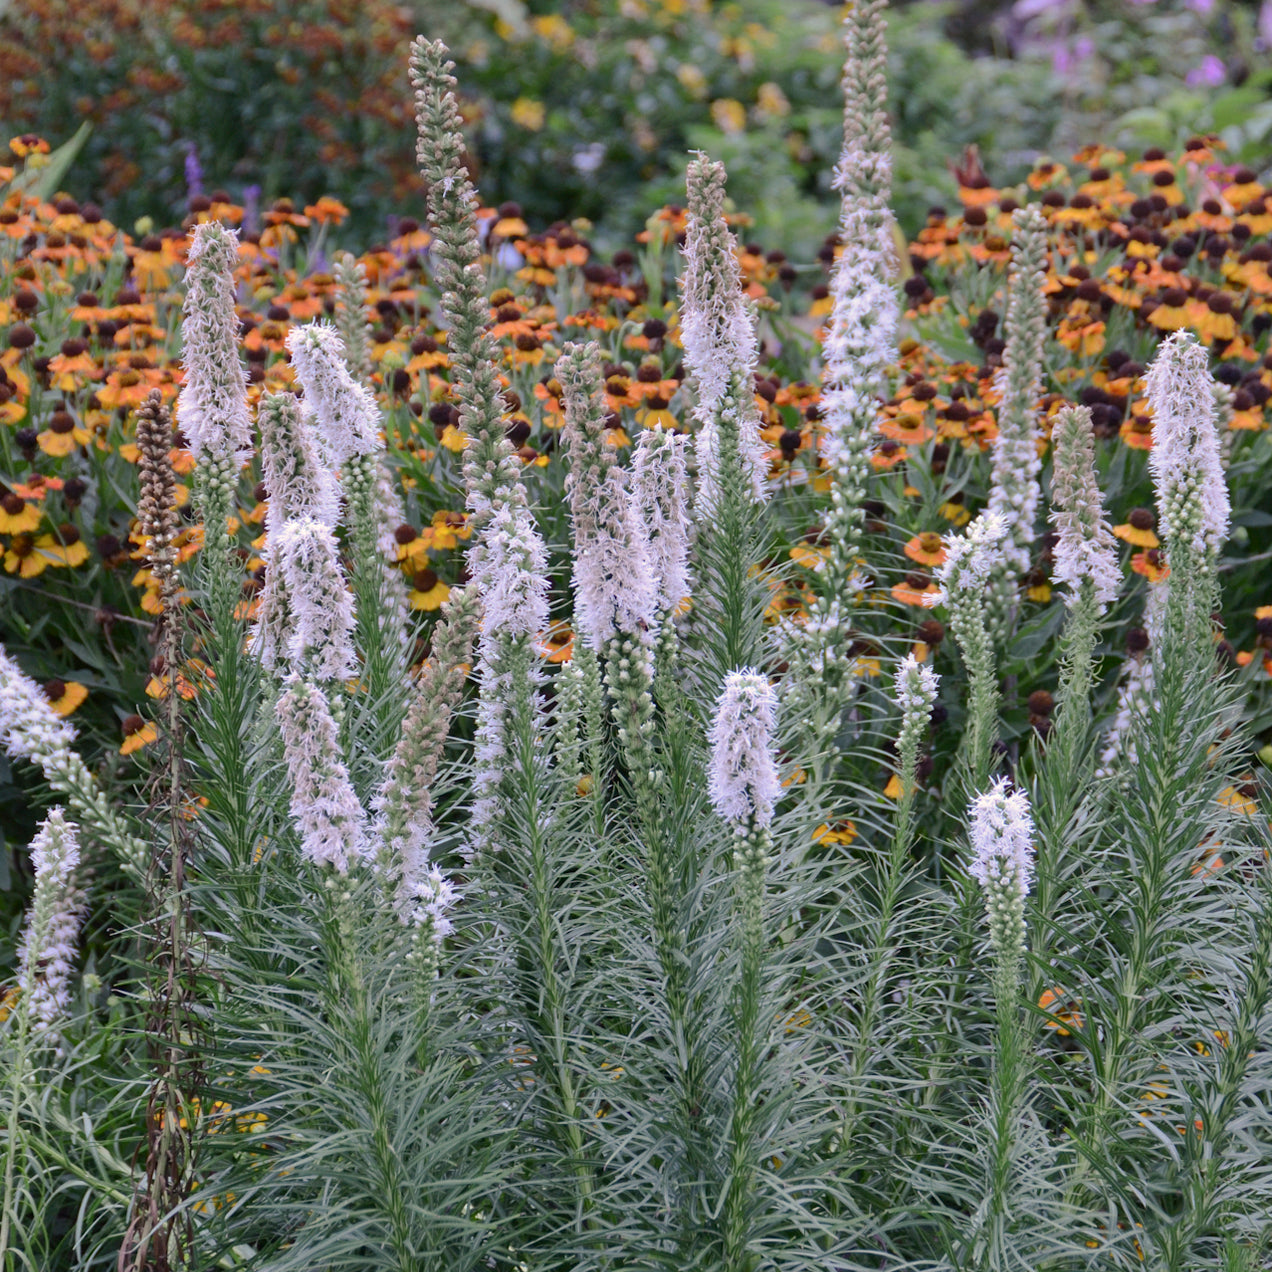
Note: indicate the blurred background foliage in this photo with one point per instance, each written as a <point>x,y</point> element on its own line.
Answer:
<point>586,108</point>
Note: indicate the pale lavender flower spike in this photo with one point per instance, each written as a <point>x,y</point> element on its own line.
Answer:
<point>742,781</point>
<point>1002,839</point>
<point>345,412</point>
<point>212,405</point>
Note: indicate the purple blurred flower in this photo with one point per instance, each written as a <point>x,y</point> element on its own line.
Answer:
<point>1209,73</point>
<point>1203,7</point>
<point>193,171</point>
<point>1265,24</point>
<point>251,209</point>
<point>1065,59</point>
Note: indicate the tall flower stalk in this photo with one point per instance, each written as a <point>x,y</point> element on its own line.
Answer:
<point>861,334</point>
<point>971,560</point>
<point>743,785</point>
<point>45,957</point>
<point>718,331</point>
<point>346,420</point>
<point>1086,566</point>
<point>212,406</point>
<point>1002,864</point>
<point>1014,490</point>
<point>160,1230</point>
<point>511,826</point>
<point>1188,477</point>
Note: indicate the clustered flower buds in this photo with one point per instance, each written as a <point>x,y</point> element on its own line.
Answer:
<point>660,490</point>
<point>344,411</point>
<point>1085,549</point>
<point>742,781</point>
<point>1192,493</point>
<point>46,953</point>
<point>212,404</point>
<point>916,686</point>
<point>614,587</point>
<point>324,806</point>
<point>1014,490</point>
<point>1002,863</point>
<point>718,331</point>
<point>321,607</point>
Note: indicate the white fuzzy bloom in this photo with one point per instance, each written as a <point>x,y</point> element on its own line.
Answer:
<point>324,806</point>
<point>1014,490</point>
<point>510,566</point>
<point>345,411</point>
<point>1192,493</point>
<point>29,728</point>
<point>46,953</point>
<point>298,482</point>
<point>1085,547</point>
<point>717,329</point>
<point>970,559</point>
<point>212,405</point>
<point>431,898</point>
<point>1002,839</point>
<point>742,780</point>
<point>320,603</point>
<point>916,685</point>
<point>660,488</point>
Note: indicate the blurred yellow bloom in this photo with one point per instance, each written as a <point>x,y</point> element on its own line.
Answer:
<point>528,114</point>
<point>729,115</point>
<point>553,28</point>
<point>771,101</point>
<point>692,80</point>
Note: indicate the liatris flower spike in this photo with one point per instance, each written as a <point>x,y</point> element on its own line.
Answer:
<point>46,954</point>
<point>324,806</point>
<point>1002,863</point>
<point>212,405</point>
<point>743,781</point>
<point>1192,492</point>
<point>1085,550</point>
<point>345,412</point>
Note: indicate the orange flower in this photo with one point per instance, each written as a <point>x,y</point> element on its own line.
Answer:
<point>840,832</point>
<point>327,211</point>
<point>1151,565</point>
<point>64,695</point>
<point>137,733</point>
<point>17,516</point>
<point>926,548</point>
<point>1063,1010</point>
<point>1138,529</point>
<point>913,589</point>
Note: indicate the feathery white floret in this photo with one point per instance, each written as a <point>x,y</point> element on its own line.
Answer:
<point>29,727</point>
<point>324,806</point>
<point>916,686</point>
<point>510,565</point>
<point>717,329</point>
<point>345,411</point>
<point>1192,493</point>
<point>212,405</point>
<point>1002,839</point>
<point>742,780</point>
<point>970,559</point>
<point>660,489</point>
<point>299,484</point>
<point>46,953</point>
<point>1085,547</point>
<point>319,601</point>
<point>1014,490</point>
